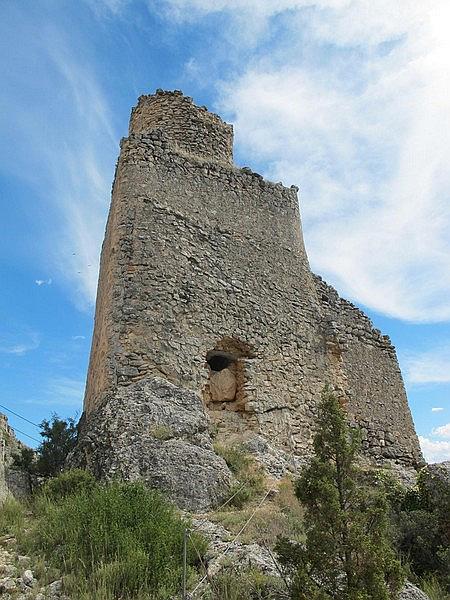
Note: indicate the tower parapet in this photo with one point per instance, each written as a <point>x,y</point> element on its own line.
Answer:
<point>191,129</point>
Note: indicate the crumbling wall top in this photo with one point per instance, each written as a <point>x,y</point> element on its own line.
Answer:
<point>191,129</point>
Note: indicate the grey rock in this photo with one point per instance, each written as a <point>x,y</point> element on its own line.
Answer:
<point>7,584</point>
<point>275,461</point>
<point>161,437</point>
<point>8,570</point>
<point>440,471</point>
<point>222,550</point>
<point>28,577</point>
<point>411,592</point>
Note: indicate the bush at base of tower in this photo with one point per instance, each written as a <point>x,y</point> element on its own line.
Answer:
<point>116,540</point>
<point>348,553</point>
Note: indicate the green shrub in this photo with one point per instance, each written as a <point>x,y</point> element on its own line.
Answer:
<point>161,432</point>
<point>112,541</point>
<point>12,515</point>
<point>249,584</point>
<point>421,525</point>
<point>433,589</point>
<point>68,483</point>
<point>249,474</point>
<point>24,459</point>
<point>59,437</point>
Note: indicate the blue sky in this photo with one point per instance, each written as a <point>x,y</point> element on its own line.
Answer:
<point>349,99</point>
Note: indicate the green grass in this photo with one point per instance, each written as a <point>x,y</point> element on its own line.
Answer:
<point>433,589</point>
<point>249,474</point>
<point>281,515</point>
<point>246,584</point>
<point>110,541</point>
<point>12,516</point>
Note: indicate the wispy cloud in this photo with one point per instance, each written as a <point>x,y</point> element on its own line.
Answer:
<point>63,392</point>
<point>443,431</point>
<point>64,143</point>
<point>349,101</point>
<point>434,451</point>
<point>40,282</point>
<point>78,337</point>
<point>437,409</point>
<point>18,341</point>
<point>432,366</point>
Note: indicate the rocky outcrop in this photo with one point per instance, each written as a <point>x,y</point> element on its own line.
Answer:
<point>439,472</point>
<point>12,480</point>
<point>160,436</point>
<point>223,550</point>
<point>411,592</point>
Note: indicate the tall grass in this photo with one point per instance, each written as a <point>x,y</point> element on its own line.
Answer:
<point>433,589</point>
<point>112,541</point>
<point>249,474</point>
<point>246,584</point>
<point>12,516</point>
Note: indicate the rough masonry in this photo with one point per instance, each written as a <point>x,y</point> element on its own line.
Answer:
<point>209,319</point>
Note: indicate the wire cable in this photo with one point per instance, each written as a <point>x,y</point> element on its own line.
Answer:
<point>199,525</point>
<point>232,542</point>
<point>20,416</point>
<point>29,436</point>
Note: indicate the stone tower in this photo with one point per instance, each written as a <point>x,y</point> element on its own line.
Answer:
<point>209,318</point>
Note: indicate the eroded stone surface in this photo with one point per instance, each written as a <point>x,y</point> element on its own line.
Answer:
<point>202,258</point>
<point>12,480</point>
<point>411,592</point>
<point>157,432</point>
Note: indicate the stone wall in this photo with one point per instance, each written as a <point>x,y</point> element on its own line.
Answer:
<point>191,129</point>
<point>205,282</point>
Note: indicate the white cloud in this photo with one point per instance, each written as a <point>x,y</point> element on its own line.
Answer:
<point>66,391</point>
<point>434,451</point>
<point>18,341</point>
<point>58,137</point>
<point>432,366</point>
<point>40,282</point>
<point>351,103</point>
<point>437,409</point>
<point>62,392</point>
<point>78,337</point>
<point>443,431</point>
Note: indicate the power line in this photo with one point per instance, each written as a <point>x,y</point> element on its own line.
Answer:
<point>20,417</point>
<point>230,544</point>
<point>30,436</point>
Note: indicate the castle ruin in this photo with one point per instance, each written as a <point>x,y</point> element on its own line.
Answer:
<point>209,320</point>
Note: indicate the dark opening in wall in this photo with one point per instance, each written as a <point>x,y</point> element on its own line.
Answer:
<point>219,362</point>
<point>225,388</point>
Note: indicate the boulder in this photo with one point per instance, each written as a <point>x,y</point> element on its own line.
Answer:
<point>155,432</point>
<point>411,592</point>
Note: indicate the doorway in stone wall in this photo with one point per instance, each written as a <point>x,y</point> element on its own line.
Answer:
<point>225,389</point>
<point>222,376</point>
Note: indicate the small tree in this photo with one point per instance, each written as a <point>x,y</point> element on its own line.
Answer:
<point>24,459</point>
<point>59,438</point>
<point>348,553</point>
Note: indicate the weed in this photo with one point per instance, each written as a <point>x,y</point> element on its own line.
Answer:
<point>249,474</point>
<point>161,432</point>
<point>12,516</point>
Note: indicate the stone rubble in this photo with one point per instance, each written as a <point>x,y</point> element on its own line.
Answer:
<point>17,579</point>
